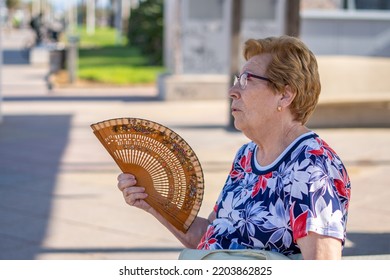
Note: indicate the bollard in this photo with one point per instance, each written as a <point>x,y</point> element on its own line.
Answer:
<point>57,58</point>
<point>72,57</point>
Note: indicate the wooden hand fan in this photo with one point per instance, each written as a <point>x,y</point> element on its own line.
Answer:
<point>163,163</point>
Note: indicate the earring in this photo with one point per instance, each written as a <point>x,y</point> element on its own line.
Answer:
<point>279,108</point>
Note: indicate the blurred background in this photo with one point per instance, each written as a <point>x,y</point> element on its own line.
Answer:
<point>68,64</point>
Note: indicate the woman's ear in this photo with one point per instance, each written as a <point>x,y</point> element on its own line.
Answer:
<point>287,97</point>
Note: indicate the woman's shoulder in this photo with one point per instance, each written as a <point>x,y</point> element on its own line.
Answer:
<point>318,150</point>
<point>318,146</point>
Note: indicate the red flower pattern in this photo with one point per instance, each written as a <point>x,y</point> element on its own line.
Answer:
<point>261,184</point>
<point>341,186</point>
<point>207,239</point>
<point>298,224</point>
<point>245,162</point>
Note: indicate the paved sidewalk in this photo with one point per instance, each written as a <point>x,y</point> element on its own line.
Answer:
<point>58,196</point>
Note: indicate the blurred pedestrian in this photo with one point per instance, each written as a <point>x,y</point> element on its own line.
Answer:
<point>36,24</point>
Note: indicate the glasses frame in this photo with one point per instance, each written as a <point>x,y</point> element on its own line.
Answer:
<point>248,75</point>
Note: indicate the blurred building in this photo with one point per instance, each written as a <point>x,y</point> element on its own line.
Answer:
<point>346,4</point>
<point>197,36</point>
<point>347,27</point>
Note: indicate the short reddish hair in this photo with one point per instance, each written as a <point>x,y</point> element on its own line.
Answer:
<point>292,64</point>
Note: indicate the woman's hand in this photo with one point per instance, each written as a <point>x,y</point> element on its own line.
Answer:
<point>133,195</point>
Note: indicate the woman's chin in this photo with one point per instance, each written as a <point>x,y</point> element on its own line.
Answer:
<point>237,124</point>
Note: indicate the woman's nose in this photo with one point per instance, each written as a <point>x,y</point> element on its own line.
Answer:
<point>234,92</point>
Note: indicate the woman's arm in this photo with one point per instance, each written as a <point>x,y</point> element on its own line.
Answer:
<point>194,234</point>
<point>135,196</point>
<point>319,247</point>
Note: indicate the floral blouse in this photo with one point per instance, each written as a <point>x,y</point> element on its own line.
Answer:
<point>306,189</point>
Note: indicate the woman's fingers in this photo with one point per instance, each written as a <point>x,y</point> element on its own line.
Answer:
<point>126,180</point>
<point>133,191</point>
<point>125,176</point>
<point>134,195</point>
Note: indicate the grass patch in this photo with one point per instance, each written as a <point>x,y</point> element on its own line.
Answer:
<point>101,60</point>
<point>120,74</point>
<point>102,37</point>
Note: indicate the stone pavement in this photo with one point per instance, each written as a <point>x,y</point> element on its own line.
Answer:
<point>58,195</point>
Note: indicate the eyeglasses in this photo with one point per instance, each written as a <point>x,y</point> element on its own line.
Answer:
<point>243,79</point>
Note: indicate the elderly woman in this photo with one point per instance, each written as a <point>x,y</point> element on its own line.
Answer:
<point>288,191</point>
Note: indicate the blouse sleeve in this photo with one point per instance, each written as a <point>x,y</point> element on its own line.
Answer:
<point>320,199</point>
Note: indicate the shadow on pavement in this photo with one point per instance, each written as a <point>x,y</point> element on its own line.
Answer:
<point>31,148</point>
<point>368,244</point>
<point>16,57</point>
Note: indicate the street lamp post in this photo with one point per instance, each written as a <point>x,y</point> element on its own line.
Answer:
<point>118,21</point>
<point>236,16</point>
<point>91,16</point>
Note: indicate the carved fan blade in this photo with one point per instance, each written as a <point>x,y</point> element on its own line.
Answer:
<point>163,163</point>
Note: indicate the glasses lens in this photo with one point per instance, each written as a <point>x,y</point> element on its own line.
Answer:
<point>243,80</point>
<point>235,80</point>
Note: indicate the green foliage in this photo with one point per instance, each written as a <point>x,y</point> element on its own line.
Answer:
<point>145,29</point>
<point>100,60</point>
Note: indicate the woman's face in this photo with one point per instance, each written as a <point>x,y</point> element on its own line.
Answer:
<point>254,108</point>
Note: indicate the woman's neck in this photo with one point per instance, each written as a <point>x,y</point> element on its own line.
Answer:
<point>271,144</point>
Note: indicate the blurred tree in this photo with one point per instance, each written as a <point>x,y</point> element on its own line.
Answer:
<point>145,29</point>
<point>14,17</point>
<point>12,4</point>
